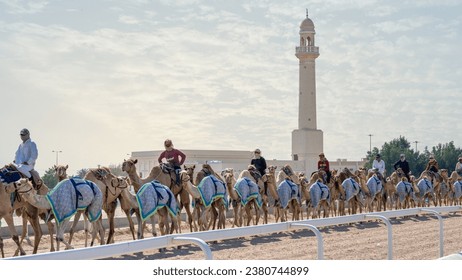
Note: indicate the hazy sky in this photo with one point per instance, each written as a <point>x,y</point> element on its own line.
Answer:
<point>100,79</point>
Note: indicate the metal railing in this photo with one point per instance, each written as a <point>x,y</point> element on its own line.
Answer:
<point>200,238</point>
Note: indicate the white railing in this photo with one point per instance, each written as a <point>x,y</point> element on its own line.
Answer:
<point>307,49</point>
<point>200,238</point>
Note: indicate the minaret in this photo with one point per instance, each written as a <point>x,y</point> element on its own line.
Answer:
<point>307,140</point>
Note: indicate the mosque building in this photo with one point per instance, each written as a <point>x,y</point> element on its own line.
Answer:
<point>307,139</point>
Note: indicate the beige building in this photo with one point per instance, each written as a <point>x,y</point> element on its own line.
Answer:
<point>307,140</point>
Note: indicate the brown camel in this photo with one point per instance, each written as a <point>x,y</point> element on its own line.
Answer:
<point>217,212</point>
<point>250,202</point>
<point>167,179</point>
<point>6,212</point>
<point>60,172</point>
<point>93,204</point>
<point>305,192</point>
<point>111,187</point>
<point>30,214</point>
<point>284,190</point>
<point>235,200</point>
<point>162,212</point>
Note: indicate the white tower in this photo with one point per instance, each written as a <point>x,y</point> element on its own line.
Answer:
<point>307,140</point>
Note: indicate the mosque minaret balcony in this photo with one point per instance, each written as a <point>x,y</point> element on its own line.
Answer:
<point>307,52</point>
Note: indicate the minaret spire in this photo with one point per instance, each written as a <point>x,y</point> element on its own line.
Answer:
<point>307,13</point>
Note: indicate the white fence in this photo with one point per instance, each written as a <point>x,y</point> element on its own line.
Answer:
<point>200,238</point>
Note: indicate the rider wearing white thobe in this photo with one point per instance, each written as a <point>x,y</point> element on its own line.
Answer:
<point>26,155</point>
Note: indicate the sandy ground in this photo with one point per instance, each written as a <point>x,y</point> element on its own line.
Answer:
<point>414,238</point>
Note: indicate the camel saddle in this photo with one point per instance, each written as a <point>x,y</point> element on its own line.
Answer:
<point>168,169</point>
<point>14,172</point>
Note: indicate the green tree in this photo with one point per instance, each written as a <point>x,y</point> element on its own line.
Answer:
<point>49,178</point>
<point>446,155</point>
<point>81,173</point>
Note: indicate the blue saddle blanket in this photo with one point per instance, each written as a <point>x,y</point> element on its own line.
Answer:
<point>74,194</point>
<point>212,188</point>
<point>288,190</point>
<point>152,196</point>
<point>248,190</point>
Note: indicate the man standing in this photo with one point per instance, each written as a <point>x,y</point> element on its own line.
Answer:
<point>259,162</point>
<point>26,156</point>
<point>404,165</point>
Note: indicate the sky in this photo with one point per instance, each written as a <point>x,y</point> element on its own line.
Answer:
<point>98,80</point>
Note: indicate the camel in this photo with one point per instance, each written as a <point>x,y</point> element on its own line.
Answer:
<point>426,193</point>
<point>445,190</point>
<point>377,195</point>
<point>154,198</point>
<point>60,174</point>
<point>235,200</point>
<point>353,192</point>
<point>249,192</point>
<point>111,187</point>
<point>72,194</point>
<point>320,199</point>
<point>404,193</point>
<point>305,194</point>
<point>6,212</point>
<point>28,212</point>
<point>129,166</point>
<point>287,196</point>
<point>199,207</point>
<point>211,198</point>
<point>457,196</point>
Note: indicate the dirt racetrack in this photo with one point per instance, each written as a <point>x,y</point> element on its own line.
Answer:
<point>414,238</point>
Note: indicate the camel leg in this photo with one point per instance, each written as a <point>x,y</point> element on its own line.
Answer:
<point>14,234</point>
<point>257,213</point>
<point>51,231</point>
<point>34,221</point>
<point>130,223</point>
<point>110,212</point>
<point>186,201</point>
<point>74,225</point>
<point>25,230</point>
<point>99,228</point>
<point>1,247</point>
<point>60,235</point>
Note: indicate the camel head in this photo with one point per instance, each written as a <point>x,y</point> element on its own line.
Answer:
<point>120,182</point>
<point>129,165</point>
<point>228,174</point>
<point>184,176</point>
<point>189,168</point>
<point>60,170</point>
<point>227,171</point>
<point>272,169</point>
<point>207,169</point>
<point>23,185</point>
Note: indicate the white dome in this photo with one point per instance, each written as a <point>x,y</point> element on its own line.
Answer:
<point>307,25</point>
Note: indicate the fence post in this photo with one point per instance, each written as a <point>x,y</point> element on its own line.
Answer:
<point>390,236</point>
<point>440,219</point>
<point>318,237</point>
<point>202,244</point>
